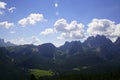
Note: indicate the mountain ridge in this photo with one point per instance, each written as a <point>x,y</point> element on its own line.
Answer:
<point>5,44</point>
<point>90,39</point>
<point>71,58</point>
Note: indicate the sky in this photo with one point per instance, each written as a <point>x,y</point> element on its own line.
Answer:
<point>56,21</point>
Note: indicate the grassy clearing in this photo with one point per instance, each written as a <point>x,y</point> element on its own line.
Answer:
<point>40,73</point>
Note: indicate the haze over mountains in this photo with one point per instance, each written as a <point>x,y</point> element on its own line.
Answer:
<point>5,44</point>
<point>95,55</point>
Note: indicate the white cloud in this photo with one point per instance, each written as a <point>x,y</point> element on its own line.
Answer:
<point>3,5</point>
<point>60,25</point>
<point>6,24</point>
<point>11,10</point>
<point>64,35</point>
<point>101,27</point>
<point>116,33</point>
<point>32,19</point>
<point>72,30</point>
<point>35,40</point>
<point>104,27</point>
<point>20,41</point>
<point>47,31</point>
<point>72,35</point>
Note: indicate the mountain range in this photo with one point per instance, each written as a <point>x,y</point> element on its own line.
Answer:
<point>95,55</point>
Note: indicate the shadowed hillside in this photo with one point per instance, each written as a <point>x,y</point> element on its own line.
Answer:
<point>95,57</point>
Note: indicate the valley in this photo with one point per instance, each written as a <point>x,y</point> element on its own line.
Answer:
<point>97,58</point>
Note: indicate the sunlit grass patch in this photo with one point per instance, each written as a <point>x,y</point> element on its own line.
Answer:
<point>41,73</point>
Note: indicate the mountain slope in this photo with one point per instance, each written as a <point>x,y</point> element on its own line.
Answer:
<point>117,42</point>
<point>98,41</point>
<point>71,47</point>
<point>8,70</point>
<point>31,56</point>
<point>95,55</point>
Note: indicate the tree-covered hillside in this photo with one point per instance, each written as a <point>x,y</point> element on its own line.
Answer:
<point>97,58</point>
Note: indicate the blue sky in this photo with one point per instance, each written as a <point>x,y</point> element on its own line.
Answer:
<point>57,21</point>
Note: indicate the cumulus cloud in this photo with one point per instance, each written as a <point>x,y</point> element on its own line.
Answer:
<point>72,35</point>
<point>11,10</point>
<point>3,8</point>
<point>104,27</point>
<point>32,19</point>
<point>47,31</point>
<point>101,27</point>
<point>116,33</point>
<point>61,25</point>
<point>64,35</point>
<point>35,40</point>
<point>69,31</point>
<point>6,24</point>
<point>3,5</point>
<point>20,41</point>
<point>74,30</point>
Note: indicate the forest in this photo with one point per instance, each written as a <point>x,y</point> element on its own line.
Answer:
<point>97,58</point>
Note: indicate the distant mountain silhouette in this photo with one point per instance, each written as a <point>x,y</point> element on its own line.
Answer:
<point>5,44</point>
<point>47,50</point>
<point>98,41</point>
<point>99,45</point>
<point>95,55</point>
<point>65,47</point>
<point>72,47</point>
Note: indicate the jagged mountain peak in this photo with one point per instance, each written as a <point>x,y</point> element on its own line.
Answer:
<point>69,44</point>
<point>97,41</point>
<point>71,47</point>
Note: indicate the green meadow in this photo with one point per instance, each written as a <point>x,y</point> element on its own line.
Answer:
<point>41,73</point>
